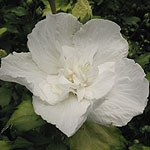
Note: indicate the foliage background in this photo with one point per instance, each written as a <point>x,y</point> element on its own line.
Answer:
<point>20,127</point>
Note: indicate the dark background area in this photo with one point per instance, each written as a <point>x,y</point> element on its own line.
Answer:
<point>17,19</point>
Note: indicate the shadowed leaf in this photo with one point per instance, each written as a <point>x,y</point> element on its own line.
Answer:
<point>143,59</point>
<point>5,145</point>
<point>138,147</point>
<point>2,30</point>
<point>92,136</point>
<point>24,118</point>
<point>5,96</point>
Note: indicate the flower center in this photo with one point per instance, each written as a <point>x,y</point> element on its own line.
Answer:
<point>70,77</point>
<point>78,75</point>
<point>85,67</point>
<point>75,76</point>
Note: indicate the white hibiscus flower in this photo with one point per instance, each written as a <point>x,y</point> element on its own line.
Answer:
<point>79,72</point>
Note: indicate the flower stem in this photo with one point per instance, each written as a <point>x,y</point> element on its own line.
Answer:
<point>53,6</point>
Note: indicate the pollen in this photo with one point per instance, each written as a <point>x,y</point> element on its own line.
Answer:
<point>85,67</point>
<point>70,77</point>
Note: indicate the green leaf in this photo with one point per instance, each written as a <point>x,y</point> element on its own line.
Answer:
<point>138,147</point>
<point>29,2</point>
<point>82,10</point>
<point>47,7</point>
<point>45,2</point>
<point>92,136</point>
<point>148,76</point>
<point>143,59</point>
<point>46,10</point>
<point>56,147</point>
<point>21,143</point>
<point>2,30</point>
<point>19,11</point>
<point>2,53</point>
<point>12,29</point>
<point>61,5</point>
<point>5,96</point>
<point>24,118</point>
<point>5,145</point>
<point>145,129</point>
<point>100,2</point>
<point>131,20</point>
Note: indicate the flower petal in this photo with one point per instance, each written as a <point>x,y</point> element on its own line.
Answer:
<point>102,40</point>
<point>20,68</point>
<point>47,38</point>
<point>55,88</point>
<point>103,83</point>
<point>68,115</point>
<point>127,98</point>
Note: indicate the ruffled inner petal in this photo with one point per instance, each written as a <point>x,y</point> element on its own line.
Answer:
<point>20,68</point>
<point>102,83</point>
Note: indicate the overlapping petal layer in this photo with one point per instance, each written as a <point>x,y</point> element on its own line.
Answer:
<point>68,116</point>
<point>101,86</point>
<point>128,97</point>
<point>20,68</point>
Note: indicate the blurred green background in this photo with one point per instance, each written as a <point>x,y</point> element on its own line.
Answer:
<point>20,128</point>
